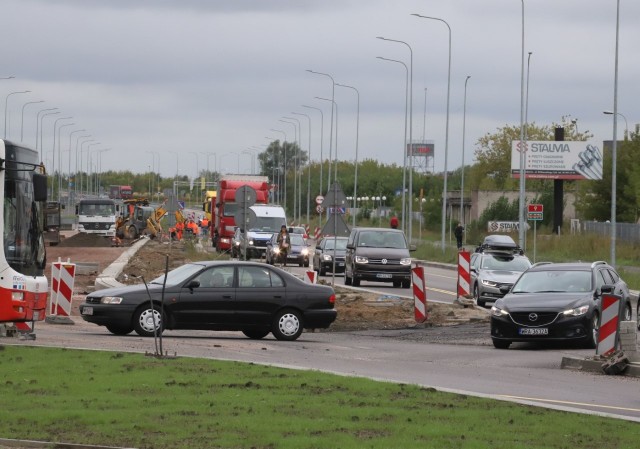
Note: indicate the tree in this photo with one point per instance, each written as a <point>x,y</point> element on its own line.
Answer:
<point>281,156</point>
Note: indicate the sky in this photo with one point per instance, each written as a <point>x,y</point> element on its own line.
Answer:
<point>177,86</point>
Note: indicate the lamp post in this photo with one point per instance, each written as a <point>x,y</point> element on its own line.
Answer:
<point>308,168</point>
<point>60,158</point>
<point>446,144</point>
<point>614,148</point>
<point>69,171</point>
<point>333,92</point>
<point>404,147</point>
<point>208,155</point>
<point>275,181</point>
<point>78,175</point>
<point>297,134</point>
<point>39,126</point>
<point>284,167</point>
<point>626,124</point>
<point>53,159</point>
<point>355,183</point>
<point>22,117</point>
<point>89,167</point>
<point>6,102</point>
<point>89,141</point>
<point>321,148</point>
<point>99,170</point>
<point>464,123</point>
<point>335,148</point>
<point>410,195</point>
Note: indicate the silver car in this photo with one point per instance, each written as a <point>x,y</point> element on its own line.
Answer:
<point>491,270</point>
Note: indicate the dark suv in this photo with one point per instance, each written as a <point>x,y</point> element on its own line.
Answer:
<point>379,255</point>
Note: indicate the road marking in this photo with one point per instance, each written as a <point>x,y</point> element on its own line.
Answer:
<point>581,404</point>
<point>446,292</point>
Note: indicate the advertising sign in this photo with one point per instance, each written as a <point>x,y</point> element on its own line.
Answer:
<point>420,149</point>
<point>557,160</point>
<point>504,226</point>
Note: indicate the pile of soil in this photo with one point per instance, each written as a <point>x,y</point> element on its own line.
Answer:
<point>86,240</point>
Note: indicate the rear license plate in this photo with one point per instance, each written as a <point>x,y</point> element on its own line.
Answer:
<point>384,276</point>
<point>533,331</point>
<point>87,311</point>
<point>36,315</point>
<point>341,264</point>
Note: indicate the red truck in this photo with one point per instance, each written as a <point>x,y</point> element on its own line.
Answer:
<point>224,206</point>
<point>120,192</point>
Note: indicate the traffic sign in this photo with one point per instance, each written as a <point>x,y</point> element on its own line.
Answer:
<point>319,199</point>
<point>535,212</point>
<point>535,208</point>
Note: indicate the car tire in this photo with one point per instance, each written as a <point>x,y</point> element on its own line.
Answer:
<point>287,325</point>
<point>117,329</point>
<point>355,282</point>
<point>322,272</point>
<point>501,344</point>
<point>592,338</point>
<point>132,232</point>
<point>476,296</point>
<point>406,283</point>
<point>255,334</point>
<point>628,313</point>
<point>143,319</point>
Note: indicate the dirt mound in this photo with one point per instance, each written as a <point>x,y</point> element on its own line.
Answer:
<point>86,240</point>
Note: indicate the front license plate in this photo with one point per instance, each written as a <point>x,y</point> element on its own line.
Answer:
<point>341,264</point>
<point>384,276</point>
<point>533,331</point>
<point>87,311</point>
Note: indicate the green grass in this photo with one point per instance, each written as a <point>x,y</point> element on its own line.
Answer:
<point>122,399</point>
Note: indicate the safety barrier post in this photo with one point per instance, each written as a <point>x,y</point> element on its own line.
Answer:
<point>419,294</point>
<point>464,274</point>
<point>310,277</point>
<point>609,327</point>
<point>317,233</point>
<point>62,281</point>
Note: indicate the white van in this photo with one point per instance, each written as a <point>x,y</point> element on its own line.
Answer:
<point>266,220</point>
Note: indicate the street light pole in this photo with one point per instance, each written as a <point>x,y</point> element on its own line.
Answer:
<point>333,91</point>
<point>404,147</point>
<point>6,102</point>
<point>626,124</point>
<point>38,126</point>
<point>22,117</point>
<point>297,194</point>
<point>53,158</point>
<point>464,123</point>
<point>614,149</point>
<point>60,158</point>
<point>446,144</point>
<point>355,183</point>
<point>308,168</point>
<point>69,172</point>
<point>410,205</point>
<point>78,175</point>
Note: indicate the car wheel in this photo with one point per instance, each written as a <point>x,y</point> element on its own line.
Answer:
<point>255,334</point>
<point>476,296</point>
<point>287,325</point>
<point>144,319</point>
<point>628,314</point>
<point>116,329</point>
<point>132,232</point>
<point>501,344</point>
<point>355,282</point>
<point>592,338</point>
<point>322,272</point>
<point>406,284</point>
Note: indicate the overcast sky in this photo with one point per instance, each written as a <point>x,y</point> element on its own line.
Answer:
<point>161,83</point>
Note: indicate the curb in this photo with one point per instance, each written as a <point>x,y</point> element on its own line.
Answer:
<point>595,366</point>
<point>23,444</point>
<point>107,279</point>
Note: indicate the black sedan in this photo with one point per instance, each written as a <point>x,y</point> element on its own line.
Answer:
<point>326,249</point>
<point>221,295</point>
<point>557,302</point>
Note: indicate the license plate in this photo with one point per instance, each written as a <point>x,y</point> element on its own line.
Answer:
<point>36,315</point>
<point>87,311</point>
<point>341,264</point>
<point>533,331</point>
<point>384,276</point>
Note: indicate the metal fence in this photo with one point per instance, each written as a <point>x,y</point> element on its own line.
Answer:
<point>628,232</point>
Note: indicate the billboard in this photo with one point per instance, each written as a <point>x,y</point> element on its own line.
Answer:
<point>420,149</point>
<point>557,160</point>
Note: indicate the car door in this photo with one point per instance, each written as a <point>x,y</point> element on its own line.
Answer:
<point>260,293</point>
<point>317,255</point>
<point>206,300</point>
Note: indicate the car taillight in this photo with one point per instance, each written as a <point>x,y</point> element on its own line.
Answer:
<point>332,299</point>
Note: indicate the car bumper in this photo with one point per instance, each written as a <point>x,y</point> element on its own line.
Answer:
<point>319,319</point>
<point>328,266</point>
<point>383,275</point>
<point>565,328</point>
<point>103,314</point>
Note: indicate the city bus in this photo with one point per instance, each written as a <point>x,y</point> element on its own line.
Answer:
<point>23,189</point>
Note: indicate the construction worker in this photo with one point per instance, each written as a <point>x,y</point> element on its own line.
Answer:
<point>179,230</point>
<point>204,225</point>
<point>193,228</point>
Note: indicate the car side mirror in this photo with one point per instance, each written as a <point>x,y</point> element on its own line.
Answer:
<point>606,288</point>
<point>504,289</point>
<point>193,284</point>
<point>351,246</point>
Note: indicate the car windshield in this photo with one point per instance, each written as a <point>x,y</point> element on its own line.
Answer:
<point>507,263</point>
<point>296,239</point>
<point>377,239</point>
<point>333,243</point>
<point>553,281</point>
<point>179,274</point>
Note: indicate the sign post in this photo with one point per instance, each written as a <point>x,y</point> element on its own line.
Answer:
<point>535,213</point>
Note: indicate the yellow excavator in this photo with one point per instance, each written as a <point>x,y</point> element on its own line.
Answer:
<point>139,218</point>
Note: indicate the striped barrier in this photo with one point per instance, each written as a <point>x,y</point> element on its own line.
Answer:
<point>62,280</point>
<point>317,233</point>
<point>419,294</point>
<point>609,325</point>
<point>464,274</point>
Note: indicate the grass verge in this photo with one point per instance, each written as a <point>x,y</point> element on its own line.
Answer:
<point>122,399</point>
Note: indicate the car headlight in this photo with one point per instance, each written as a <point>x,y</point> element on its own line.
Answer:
<point>225,240</point>
<point>361,259</point>
<point>251,242</point>
<point>489,283</point>
<point>276,250</point>
<point>326,258</point>
<point>496,311</point>
<point>405,261</point>
<point>576,311</point>
<point>304,252</point>
<point>111,300</point>
<point>237,243</point>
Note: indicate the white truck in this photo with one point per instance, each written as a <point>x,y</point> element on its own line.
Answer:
<point>267,219</point>
<point>97,216</point>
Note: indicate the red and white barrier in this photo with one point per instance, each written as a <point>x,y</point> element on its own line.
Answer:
<point>609,325</point>
<point>317,233</point>
<point>310,277</point>
<point>307,228</point>
<point>464,274</point>
<point>62,280</point>
<point>419,294</point>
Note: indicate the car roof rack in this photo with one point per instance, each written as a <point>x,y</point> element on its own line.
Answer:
<point>540,263</point>
<point>499,244</point>
<point>598,262</point>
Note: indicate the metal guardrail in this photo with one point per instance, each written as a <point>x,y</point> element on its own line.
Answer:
<point>628,232</point>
